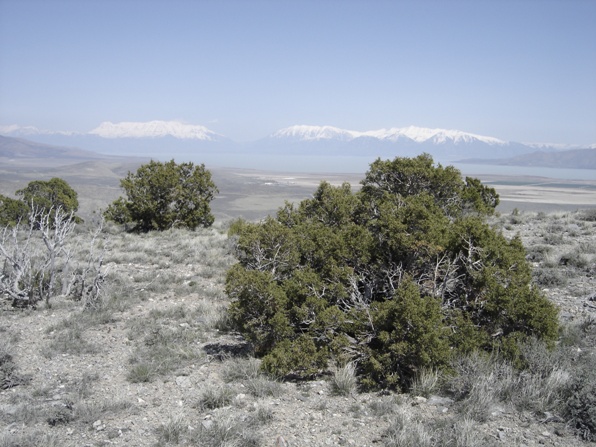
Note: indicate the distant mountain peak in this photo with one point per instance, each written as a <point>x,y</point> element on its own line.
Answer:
<point>16,130</point>
<point>437,136</point>
<point>417,134</point>
<point>154,129</point>
<point>306,133</point>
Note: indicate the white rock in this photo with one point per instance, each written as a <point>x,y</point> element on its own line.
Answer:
<point>419,400</point>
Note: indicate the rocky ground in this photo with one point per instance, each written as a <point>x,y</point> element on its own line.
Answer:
<point>155,365</point>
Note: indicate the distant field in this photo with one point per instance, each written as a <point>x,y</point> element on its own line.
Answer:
<point>255,194</point>
<point>542,194</point>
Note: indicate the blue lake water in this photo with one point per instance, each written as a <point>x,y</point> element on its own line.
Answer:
<point>555,173</point>
<point>358,164</point>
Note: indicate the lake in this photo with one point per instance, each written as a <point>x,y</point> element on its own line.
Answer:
<point>359,164</point>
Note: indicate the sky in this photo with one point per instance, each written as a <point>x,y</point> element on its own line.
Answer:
<point>518,70</point>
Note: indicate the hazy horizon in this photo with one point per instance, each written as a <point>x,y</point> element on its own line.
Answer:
<point>516,70</point>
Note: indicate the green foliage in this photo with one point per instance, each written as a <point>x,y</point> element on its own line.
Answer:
<point>44,197</point>
<point>396,278</point>
<point>165,195</point>
<point>409,336</point>
<point>300,356</point>
<point>407,177</point>
<point>12,211</point>
<point>52,194</point>
<point>118,212</point>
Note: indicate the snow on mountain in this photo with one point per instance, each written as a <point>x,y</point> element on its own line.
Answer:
<point>165,139</point>
<point>16,130</point>
<point>107,129</point>
<point>559,146</point>
<point>417,134</point>
<point>154,129</point>
<point>436,136</point>
<point>444,145</point>
<point>157,139</point>
<point>310,133</point>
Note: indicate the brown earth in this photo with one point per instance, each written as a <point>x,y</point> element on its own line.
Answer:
<point>76,390</point>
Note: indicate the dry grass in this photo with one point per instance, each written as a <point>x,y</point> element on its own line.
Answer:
<point>344,381</point>
<point>425,383</point>
<point>164,292</point>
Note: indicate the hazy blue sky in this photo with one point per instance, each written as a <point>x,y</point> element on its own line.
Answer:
<point>520,70</point>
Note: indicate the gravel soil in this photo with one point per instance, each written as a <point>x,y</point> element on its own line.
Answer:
<point>71,382</point>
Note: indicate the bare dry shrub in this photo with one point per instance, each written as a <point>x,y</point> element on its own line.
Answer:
<point>41,260</point>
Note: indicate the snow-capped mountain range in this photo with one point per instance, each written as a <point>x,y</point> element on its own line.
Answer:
<point>126,129</point>
<point>157,139</point>
<point>167,139</point>
<point>444,145</point>
<point>417,134</point>
<point>184,131</point>
<point>154,129</point>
